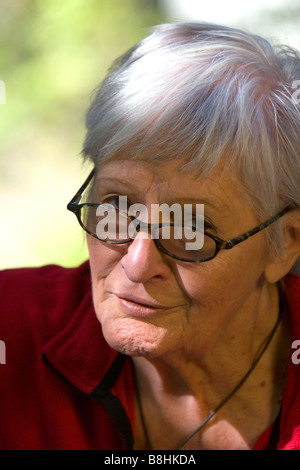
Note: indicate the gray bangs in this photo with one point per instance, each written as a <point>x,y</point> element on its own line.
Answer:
<point>209,96</point>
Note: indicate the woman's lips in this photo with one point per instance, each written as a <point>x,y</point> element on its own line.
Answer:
<point>139,307</point>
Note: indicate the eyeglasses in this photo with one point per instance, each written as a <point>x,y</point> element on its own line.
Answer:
<point>89,216</point>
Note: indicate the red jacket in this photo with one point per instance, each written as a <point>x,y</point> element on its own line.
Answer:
<point>63,387</point>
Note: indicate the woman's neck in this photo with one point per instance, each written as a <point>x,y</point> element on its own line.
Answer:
<point>180,391</point>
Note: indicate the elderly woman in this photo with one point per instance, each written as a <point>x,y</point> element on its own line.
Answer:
<point>154,343</point>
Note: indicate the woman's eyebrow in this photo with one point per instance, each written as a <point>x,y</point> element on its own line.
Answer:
<point>213,203</point>
<point>103,181</point>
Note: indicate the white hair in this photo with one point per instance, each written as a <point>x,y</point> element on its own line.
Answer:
<point>210,95</point>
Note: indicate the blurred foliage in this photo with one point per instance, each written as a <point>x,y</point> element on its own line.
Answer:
<point>53,53</point>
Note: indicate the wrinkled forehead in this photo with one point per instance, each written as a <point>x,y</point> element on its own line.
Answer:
<point>156,157</point>
<point>143,174</point>
<point>168,182</point>
<point>141,180</point>
<point>141,169</point>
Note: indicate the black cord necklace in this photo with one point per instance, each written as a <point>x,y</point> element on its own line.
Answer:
<point>223,402</point>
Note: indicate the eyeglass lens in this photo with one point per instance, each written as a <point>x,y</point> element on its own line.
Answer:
<point>108,224</point>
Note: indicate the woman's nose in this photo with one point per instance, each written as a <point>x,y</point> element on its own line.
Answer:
<point>143,261</point>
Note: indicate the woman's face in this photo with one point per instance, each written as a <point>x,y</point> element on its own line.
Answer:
<point>151,304</point>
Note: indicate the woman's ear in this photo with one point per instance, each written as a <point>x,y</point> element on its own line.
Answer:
<point>280,264</point>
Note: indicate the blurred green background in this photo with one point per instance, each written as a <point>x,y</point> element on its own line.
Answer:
<point>53,54</point>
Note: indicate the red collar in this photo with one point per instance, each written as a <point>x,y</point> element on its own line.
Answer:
<point>80,355</point>
<point>79,352</point>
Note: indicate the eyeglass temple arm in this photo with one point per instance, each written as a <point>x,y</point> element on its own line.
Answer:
<point>227,244</point>
<point>75,200</point>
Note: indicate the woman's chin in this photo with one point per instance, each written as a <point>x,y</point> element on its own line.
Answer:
<point>136,337</point>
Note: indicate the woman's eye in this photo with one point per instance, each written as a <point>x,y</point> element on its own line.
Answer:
<point>209,227</point>
<point>117,201</point>
<point>205,224</point>
<point>112,201</point>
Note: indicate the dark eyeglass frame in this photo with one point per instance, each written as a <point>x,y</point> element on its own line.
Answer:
<point>75,207</point>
